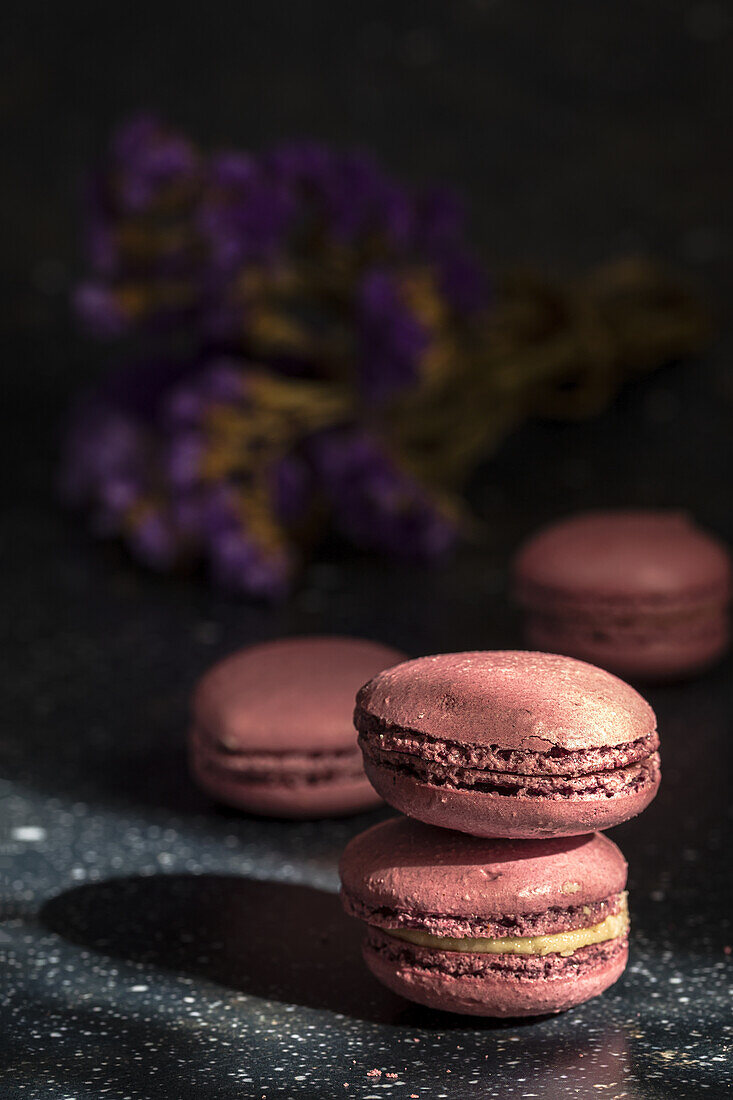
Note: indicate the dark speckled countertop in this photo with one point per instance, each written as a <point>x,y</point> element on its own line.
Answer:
<point>154,946</point>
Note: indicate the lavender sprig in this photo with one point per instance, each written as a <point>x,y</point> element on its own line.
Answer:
<point>336,276</point>
<point>175,236</point>
<point>376,504</point>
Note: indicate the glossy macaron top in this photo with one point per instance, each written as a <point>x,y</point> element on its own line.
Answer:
<point>619,555</point>
<point>289,694</point>
<point>533,702</point>
<point>404,865</point>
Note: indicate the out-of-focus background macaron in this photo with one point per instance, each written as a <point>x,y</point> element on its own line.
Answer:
<point>488,927</point>
<point>272,727</point>
<point>509,744</point>
<point>643,593</point>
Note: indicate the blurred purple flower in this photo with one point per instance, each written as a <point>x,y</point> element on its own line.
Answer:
<point>245,214</point>
<point>147,160</point>
<point>292,488</point>
<point>233,171</point>
<point>152,538</point>
<point>99,310</point>
<point>240,565</point>
<point>359,199</point>
<point>441,235</point>
<point>377,505</point>
<point>462,281</point>
<point>237,560</point>
<point>140,389</point>
<point>145,481</point>
<point>348,191</point>
<point>184,404</point>
<point>224,381</point>
<point>102,448</point>
<point>300,164</point>
<point>184,409</point>
<point>181,460</point>
<point>323,266</point>
<point>117,494</point>
<point>392,339</point>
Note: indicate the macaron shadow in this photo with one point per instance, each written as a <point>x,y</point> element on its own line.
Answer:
<point>278,941</point>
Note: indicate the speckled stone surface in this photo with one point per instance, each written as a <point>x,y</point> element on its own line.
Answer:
<point>152,946</point>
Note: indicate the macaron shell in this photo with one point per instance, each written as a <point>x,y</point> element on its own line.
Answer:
<point>660,655</point>
<point>515,700</point>
<point>289,694</point>
<point>406,865</point>
<point>304,801</point>
<point>494,995</point>
<point>624,555</point>
<point>482,814</point>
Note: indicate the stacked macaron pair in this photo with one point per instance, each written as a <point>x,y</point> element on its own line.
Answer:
<point>497,895</point>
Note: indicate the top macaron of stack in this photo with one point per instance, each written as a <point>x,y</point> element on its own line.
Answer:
<point>508,744</point>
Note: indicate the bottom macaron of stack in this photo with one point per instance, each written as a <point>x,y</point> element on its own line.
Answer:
<point>488,927</point>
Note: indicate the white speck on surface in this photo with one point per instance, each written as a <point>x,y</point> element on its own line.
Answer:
<point>29,834</point>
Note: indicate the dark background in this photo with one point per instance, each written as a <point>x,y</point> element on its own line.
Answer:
<point>578,132</point>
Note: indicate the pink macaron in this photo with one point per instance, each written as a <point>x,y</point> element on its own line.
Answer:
<point>272,727</point>
<point>644,594</point>
<point>488,927</point>
<point>509,744</point>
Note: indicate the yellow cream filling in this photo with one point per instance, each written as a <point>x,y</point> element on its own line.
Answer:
<point>561,943</point>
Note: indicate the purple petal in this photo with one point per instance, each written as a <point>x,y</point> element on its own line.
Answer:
<point>183,407</point>
<point>245,215</point>
<point>101,445</point>
<point>119,494</point>
<point>224,382</point>
<point>376,505</point>
<point>238,564</point>
<point>99,310</point>
<point>148,158</point>
<point>292,488</point>
<point>463,284</point>
<point>182,460</point>
<point>152,540</point>
<point>392,338</point>
<point>233,169</point>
